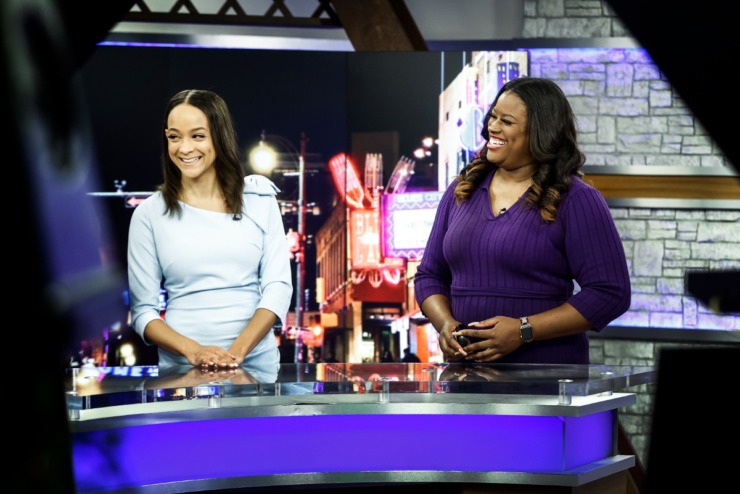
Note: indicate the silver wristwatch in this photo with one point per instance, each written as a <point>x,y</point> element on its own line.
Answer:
<point>525,330</point>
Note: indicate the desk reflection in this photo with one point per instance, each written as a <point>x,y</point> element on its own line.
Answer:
<point>188,376</point>
<point>348,378</point>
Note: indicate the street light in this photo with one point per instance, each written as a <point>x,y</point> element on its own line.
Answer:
<point>264,159</point>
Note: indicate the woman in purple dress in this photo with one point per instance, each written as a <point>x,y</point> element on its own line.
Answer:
<point>522,249</point>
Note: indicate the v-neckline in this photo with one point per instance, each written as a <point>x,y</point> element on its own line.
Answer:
<point>485,186</point>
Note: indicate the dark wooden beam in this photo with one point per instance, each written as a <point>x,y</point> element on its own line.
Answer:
<point>661,186</point>
<point>379,25</point>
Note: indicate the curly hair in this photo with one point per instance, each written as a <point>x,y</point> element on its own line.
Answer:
<point>553,142</point>
<point>229,170</point>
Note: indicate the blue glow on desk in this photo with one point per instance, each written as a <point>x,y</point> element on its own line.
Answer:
<point>133,456</point>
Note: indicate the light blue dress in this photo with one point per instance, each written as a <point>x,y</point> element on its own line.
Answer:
<point>217,271</point>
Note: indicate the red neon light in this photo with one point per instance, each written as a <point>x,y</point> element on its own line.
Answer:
<point>347,180</point>
<point>392,276</point>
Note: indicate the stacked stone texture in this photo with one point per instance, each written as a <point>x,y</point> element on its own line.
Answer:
<point>629,115</point>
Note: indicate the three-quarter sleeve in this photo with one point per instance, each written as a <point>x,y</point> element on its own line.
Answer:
<point>433,275</point>
<point>596,256</point>
<point>274,270</point>
<point>144,271</point>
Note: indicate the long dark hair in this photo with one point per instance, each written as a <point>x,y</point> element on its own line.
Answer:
<point>553,142</point>
<point>229,170</point>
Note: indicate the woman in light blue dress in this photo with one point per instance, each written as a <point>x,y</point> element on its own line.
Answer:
<point>215,241</point>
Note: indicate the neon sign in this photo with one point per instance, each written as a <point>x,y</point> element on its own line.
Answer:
<point>407,221</point>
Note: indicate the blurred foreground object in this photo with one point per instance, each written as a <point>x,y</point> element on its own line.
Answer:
<point>718,290</point>
<point>68,287</point>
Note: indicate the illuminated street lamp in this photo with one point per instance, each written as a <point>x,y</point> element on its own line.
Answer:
<point>264,159</point>
<point>425,151</point>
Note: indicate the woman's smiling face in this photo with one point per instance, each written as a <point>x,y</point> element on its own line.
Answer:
<point>508,141</point>
<point>190,146</point>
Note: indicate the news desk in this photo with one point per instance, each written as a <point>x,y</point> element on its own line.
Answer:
<point>485,427</point>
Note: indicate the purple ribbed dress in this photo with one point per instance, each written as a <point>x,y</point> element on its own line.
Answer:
<point>517,265</point>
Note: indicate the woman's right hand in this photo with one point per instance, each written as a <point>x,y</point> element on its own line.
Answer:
<point>451,349</point>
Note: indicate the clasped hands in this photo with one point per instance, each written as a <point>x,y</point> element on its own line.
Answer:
<point>215,357</point>
<point>499,334</point>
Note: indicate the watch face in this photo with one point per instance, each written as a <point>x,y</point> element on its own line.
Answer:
<point>525,332</point>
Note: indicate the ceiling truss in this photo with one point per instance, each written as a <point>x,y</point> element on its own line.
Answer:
<point>233,12</point>
<point>371,25</point>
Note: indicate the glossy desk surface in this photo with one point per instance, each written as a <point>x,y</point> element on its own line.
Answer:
<point>93,392</point>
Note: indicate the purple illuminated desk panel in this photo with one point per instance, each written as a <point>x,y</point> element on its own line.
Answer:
<point>142,429</point>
